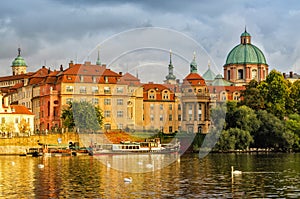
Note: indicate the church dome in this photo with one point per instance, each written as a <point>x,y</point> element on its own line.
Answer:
<point>245,52</point>
<point>19,61</point>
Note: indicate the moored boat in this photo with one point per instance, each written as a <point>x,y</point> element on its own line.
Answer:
<point>126,147</point>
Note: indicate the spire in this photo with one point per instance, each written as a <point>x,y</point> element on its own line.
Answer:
<point>170,57</point>
<point>19,52</point>
<point>98,62</point>
<point>193,65</point>
<point>208,64</point>
<point>170,76</point>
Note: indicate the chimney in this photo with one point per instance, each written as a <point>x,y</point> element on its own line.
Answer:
<point>71,64</point>
<point>120,73</point>
<point>291,74</point>
<point>61,68</point>
<point>87,63</point>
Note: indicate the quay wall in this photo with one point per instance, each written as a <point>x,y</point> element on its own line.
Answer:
<point>19,145</point>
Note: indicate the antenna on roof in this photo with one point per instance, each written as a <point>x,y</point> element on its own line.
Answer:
<point>137,73</point>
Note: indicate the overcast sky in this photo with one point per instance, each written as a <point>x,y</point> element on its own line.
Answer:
<point>54,32</point>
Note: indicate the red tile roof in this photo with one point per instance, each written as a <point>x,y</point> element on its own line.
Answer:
<point>19,109</point>
<point>194,79</point>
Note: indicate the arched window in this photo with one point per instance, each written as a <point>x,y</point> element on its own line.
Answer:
<point>240,74</point>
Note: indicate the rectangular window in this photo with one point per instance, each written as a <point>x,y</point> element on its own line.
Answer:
<point>120,89</point>
<point>120,126</point>
<point>170,129</point>
<point>95,89</point>
<point>69,89</point>
<point>17,120</point>
<point>152,117</point>
<point>82,89</point>
<point>199,113</point>
<point>106,90</point>
<point>151,106</point>
<point>95,101</point>
<point>119,101</point>
<point>107,101</point>
<point>161,107</point>
<point>81,78</point>
<point>2,120</point>
<point>107,126</point>
<point>179,107</point>
<point>179,117</point>
<point>170,107</point>
<point>106,113</point>
<point>119,113</point>
<point>161,118</point>
<point>170,117</point>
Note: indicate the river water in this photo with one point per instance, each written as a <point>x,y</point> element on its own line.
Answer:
<point>263,176</point>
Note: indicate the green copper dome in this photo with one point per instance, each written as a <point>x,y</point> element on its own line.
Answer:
<point>19,61</point>
<point>245,52</point>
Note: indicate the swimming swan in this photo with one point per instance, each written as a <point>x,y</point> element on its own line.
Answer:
<point>235,172</point>
<point>128,179</point>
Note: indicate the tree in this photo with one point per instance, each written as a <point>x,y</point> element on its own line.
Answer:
<point>82,115</point>
<point>277,94</point>
<point>270,132</point>
<point>67,116</point>
<point>252,96</point>
<point>243,118</point>
<point>295,96</point>
<point>24,127</point>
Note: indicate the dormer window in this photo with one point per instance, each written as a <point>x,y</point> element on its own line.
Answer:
<point>151,94</point>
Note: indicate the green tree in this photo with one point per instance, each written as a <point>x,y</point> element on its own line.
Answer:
<point>270,132</point>
<point>243,118</point>
<point>67,116</point>
<point>277,94</point>
<point>295,96</point>
<point>252,96</point>
<point>82,115</point>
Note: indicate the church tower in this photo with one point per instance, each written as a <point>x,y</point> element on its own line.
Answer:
<point>245,62</point>
<point>171,78</point>
<point>19,65</point>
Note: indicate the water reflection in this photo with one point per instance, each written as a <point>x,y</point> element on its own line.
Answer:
<point>264,176</point>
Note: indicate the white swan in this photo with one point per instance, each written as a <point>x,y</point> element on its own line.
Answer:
<point>235,172</point>
<point>128,179</point>
<point>140,163</point>
<point>149,166</point>
<point>40,166</point>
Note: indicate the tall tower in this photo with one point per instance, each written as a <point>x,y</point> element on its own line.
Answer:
<point>19,65</point>
<point>171,78</point>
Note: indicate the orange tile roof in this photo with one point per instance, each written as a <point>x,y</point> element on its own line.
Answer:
<point>129,79</point>
<point>194,79</point>
<point>15,77</point>
<point>19,109</point>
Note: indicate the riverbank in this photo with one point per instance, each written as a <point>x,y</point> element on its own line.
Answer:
<point>20,145</point>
